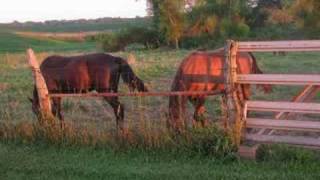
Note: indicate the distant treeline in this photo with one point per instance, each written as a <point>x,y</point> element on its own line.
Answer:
<point>208,23</point>
<point>80,25</point>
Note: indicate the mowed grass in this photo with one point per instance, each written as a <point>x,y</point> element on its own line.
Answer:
<point>48,162</point>
<point>12,43</point>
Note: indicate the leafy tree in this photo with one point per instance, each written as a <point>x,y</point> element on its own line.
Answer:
<point>307,14</point>
<point>220,17</point>
<point>172,20</point>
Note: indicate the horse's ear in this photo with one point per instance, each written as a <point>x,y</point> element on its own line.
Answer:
<point>30,99</point>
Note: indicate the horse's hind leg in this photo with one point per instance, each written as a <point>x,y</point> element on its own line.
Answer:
<point>177,108</point>
<point>199,118</point>
<point>119,113</point>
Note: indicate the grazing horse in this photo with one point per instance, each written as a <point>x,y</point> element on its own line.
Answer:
<point>81,74</point>
<point>203,71</point>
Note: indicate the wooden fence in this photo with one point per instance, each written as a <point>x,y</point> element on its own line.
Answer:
<point>237,108</point>
<point>45,96</point>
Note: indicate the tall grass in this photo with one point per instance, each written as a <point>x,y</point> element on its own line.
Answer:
<point>210,141</point>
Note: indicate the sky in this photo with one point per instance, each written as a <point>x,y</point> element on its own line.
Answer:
<point>41,10</point>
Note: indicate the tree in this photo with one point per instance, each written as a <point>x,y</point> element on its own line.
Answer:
<point>307,15</point>
<point>218,17</point>
<point>172,20</point>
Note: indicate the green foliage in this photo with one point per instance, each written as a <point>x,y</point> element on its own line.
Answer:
<point>172,20</point>
<point>210,141</point>
<point>119,41</point>
<point>307,14</point>
<point>228,29</point>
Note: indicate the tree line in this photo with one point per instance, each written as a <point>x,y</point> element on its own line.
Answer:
<point>194,23</point>
<point>208,23</point>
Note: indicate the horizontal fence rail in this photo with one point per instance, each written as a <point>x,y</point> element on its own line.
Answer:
<point>297,125</point>
<point>174,93</point>
<point>284,79</point>
<point>271,46</point>
<point>276,106</point>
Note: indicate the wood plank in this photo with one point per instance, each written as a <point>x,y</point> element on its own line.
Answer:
<point>295,140</point>
<point>283,124</point>
<point>271,46</point>
<point>276,106</point>
<point>308,92</point>
<point>281,79</point>
<point>169,93</point>
<point>43,93</point>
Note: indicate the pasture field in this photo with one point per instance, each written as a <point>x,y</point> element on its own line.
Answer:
<point>48,162</point>
<point>23,160</point>
<point>13,43</point>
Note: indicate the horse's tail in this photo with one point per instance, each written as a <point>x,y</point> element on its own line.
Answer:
<point>267,88</point>
<point>129,77</point>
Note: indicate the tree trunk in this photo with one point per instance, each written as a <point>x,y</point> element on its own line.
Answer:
<point>177,43</point>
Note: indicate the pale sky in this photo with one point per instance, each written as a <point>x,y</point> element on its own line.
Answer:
<point>40,10</point>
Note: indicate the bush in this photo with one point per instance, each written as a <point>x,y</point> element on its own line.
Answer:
<point>231,29</point>
<point>146,37</point>
<point>210,141</point>
<point>135,47</point>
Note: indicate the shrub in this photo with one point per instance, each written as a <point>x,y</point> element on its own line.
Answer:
<point>136,35</point>
<point>231,29</point>
<point>210,141</point>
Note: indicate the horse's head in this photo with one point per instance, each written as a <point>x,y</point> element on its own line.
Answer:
<point>137,84</point>
<point>35,102</point>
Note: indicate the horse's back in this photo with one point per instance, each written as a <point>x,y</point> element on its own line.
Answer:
<point>80,73</point>
<point>204,70</point>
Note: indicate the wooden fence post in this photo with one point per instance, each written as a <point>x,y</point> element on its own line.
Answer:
<point>43,93</point>
<point>234,113</point>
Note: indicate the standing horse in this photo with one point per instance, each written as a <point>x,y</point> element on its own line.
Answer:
<point>203,71</point>
<point>81,74</point>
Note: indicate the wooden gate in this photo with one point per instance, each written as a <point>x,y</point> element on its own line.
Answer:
<point>237,108</point>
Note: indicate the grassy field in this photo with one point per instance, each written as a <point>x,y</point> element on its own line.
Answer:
<point>48,162</point>
<point>11,42</point>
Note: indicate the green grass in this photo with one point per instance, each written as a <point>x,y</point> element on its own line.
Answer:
<point>10,43</point>
<point>19,161</point>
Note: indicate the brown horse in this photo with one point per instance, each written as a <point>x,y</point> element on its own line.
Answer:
<point>80,74</point>
<point>203,71</point>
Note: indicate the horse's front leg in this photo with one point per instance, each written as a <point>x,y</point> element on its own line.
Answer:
<point>57,110</point>
<point>118,109</point>
<point>199,118</point>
